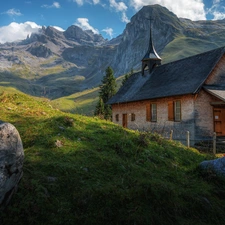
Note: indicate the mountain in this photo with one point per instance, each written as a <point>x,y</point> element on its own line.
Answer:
<point>52,63</point>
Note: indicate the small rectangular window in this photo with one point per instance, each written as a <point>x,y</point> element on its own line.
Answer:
<point>132,117</point>
<point>153,112</point>
<point>177,111</point>
<point>117,117</point>
<point>174,110</point>
<point>148,113</point>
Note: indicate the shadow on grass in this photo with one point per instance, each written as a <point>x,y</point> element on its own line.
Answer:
<point>103,174</point>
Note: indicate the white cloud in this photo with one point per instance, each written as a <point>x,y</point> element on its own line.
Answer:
<point>216,2</point>
<point>217,11</point>
<point>95,2</point>
<point>218,15</point>
<point>13,12</point>
<point>17,31</point>
<point>191,9</point>
<point>84,24</point>
<point>118,6</point>
<point>124,18</point>
<point>81,2</point>
<point>108,31</point>
<point>54,5</point>
<point>59,28</point>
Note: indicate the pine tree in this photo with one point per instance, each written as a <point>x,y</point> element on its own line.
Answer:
<point>100,109</point>
<point>107,90</point>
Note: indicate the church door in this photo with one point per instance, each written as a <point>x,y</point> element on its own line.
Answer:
<point>219,121</point>
<point>125,120</point>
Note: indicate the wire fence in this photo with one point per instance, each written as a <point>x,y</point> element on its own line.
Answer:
<point>213,144</point>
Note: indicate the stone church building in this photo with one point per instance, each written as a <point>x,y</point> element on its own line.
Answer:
<point>184,95</point>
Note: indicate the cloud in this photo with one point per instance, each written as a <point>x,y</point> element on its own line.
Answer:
<point>216,2</point>
<point>59,28</point>
<point>17,31</point>
<point>191,9</point>
<point>84,24</point>
<point>119,7</point>
<point>124,18</point>
<point>217,11</point>
<point>218,15</point>
<point>108,31</point>
<point>95,2</point>
<point>13,12</point>
<point>54,5</point>
<point>81,2</point>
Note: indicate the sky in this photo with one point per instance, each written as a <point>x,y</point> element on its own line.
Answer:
<point>18,18</point>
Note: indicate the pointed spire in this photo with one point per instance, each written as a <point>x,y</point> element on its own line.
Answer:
<point>151,58</point>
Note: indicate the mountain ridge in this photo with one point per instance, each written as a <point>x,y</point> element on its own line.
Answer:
<point>53,63</point>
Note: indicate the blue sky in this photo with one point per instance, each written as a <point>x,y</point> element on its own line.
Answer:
<point>106,17</point>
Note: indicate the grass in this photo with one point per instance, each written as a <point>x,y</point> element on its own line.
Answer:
<point>104,174</point>
<point>190,46</point>
<point>83,103</point>
<point>80,103</point>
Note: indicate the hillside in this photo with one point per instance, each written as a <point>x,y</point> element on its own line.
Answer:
<point>55,64</point>
<point>82,170</point>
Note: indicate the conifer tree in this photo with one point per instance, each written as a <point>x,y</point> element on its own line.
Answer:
<point>107,90</point>
<point>100,109</point>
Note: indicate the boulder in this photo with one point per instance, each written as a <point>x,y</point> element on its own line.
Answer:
<point>11,161</point>
<point>216,166</point>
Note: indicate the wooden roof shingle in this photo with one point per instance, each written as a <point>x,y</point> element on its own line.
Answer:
<point>185,76</point>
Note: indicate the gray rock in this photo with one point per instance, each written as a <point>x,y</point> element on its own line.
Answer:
<point>217,166</point>
<point>11,161</point>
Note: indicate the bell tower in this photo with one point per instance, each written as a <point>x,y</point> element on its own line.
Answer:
<point>151,58</point>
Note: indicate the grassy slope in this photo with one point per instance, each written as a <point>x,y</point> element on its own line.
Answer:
<point>104,174</point>
<point>182,47</point>
<point>81,102</point>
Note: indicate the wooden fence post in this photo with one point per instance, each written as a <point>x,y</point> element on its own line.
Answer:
<point>188,139</point>
<point>171,135</point>
<point>214,143</point>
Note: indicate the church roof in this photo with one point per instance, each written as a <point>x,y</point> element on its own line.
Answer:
<point>185,76</point>
<point>216,91</point>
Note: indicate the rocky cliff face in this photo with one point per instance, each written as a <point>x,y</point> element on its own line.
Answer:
<point>51,61</point>
<point>87,37</point>
<point>135,38</point>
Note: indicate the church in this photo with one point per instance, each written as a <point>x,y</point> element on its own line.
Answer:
<point>184,95</point>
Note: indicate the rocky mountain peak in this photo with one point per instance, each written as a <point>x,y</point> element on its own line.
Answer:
<point>53,33</point>
<point>76,52</point>
<point>86,37</point>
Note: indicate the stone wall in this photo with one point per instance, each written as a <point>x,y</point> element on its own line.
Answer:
<point>204,115</point>
<point>162,126</point>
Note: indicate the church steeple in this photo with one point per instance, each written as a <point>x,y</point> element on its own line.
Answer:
<point>151,58</point>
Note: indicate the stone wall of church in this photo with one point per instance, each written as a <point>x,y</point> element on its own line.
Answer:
<point>204,114</point>
<point>162,125</point>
